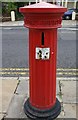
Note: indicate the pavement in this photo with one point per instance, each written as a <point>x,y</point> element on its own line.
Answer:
<point>16,90</point>
<point>65,23</point>
<point>7,89</point>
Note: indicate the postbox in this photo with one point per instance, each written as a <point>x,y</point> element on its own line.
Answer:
<point>42,19</point>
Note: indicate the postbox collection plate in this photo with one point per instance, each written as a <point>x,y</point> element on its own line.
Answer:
<point>42,53</point>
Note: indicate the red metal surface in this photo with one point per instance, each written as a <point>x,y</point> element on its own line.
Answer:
<point>42,7</point>
<point>47,21</point>
<point>43,72</point>
<point>42,17</point>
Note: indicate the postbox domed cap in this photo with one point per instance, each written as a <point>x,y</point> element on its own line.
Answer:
<point>42,7</point>
<point>42,15</point>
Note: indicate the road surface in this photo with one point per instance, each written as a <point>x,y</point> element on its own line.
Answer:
<point>15,48</point>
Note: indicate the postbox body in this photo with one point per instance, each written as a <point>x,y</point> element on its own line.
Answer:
<point>42,70</point>
<point>42,19</point>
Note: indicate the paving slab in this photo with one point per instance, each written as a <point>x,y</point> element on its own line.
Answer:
<point>23,88</point>
<point>1,116</point>
<point>16,107</point>
<point>70,110</point>
<point>1,95</point>
<point>10,23</point>
<point>8,88</point>
<point>69,23</point>
<point>57,87</point>
<point>77,110</point>
<point>69,91</point>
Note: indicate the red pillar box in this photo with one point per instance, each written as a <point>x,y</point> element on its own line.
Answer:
<point>42,19</point>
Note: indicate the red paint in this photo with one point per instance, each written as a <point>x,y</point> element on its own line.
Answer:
<point>43,72</point>
<point>42,17</point>
<point>42,7</point>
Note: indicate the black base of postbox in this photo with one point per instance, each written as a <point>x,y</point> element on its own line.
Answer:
<point>38,114</point>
